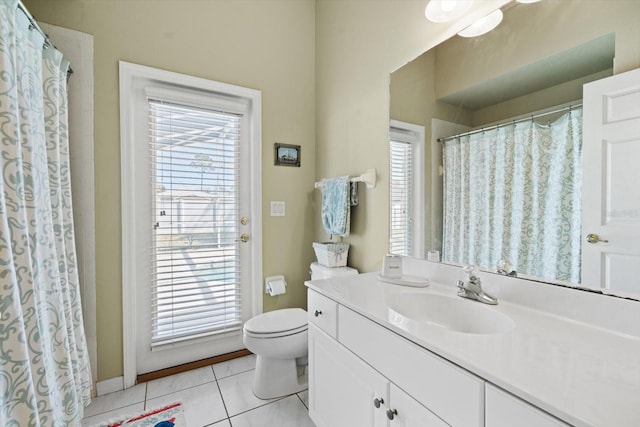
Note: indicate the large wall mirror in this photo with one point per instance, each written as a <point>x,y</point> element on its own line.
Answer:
<point>521,85</point>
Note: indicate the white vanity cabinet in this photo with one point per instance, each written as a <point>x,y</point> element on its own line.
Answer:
<point>372,341</point>
<point>347,392</point>
<point>344,389</point>
<point>506,410</point>
<point>453,394</point>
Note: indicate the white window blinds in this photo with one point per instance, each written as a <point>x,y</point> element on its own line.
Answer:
<point>401,155</point>
<point>195,277</point>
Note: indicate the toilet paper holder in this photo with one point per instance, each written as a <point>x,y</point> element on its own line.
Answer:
<point>275,285</point>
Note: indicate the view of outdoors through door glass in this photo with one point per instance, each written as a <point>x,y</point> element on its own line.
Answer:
<point>195,275</point>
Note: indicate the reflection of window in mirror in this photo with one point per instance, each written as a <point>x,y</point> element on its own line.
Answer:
<point>406,195</point>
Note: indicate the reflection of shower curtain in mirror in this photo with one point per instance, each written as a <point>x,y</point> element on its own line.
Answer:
<point>514,193</point>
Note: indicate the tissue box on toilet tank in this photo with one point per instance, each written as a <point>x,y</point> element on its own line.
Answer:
<point>331,254</point>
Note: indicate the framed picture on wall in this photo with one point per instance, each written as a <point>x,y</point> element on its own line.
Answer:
<point>287,155</point>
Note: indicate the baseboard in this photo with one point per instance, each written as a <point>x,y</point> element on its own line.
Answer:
<point>191,365</point>
<point>109,386</point>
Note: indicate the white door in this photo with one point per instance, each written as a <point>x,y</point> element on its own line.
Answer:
<point>611,183</point>
<point>343,390</point>
<point>191,217</point>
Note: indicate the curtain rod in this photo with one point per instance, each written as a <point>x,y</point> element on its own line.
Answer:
<point>511,122</point>
<point>33,25</point>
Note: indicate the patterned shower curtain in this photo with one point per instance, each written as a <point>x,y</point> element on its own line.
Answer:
<point>45,379</point>
<point>514,193</point>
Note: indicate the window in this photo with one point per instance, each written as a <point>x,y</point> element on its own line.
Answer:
<point>195,271</point>
<point>406,201</point>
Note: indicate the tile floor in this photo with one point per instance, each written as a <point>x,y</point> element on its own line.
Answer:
<point>218,395</point>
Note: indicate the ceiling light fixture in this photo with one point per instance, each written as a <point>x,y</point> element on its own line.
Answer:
<point>446,10</point>
<point>483,25</point>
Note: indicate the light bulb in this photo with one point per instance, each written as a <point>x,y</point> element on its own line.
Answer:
<point>446,10</point>
<point>483,25</point>
<point>448,5</point>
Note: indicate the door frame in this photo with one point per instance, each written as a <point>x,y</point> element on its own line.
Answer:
<point>129,73</point>
<point>78,49</point>
<point>439,129</point>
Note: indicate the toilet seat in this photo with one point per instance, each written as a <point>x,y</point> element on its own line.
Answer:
<point>277,323</point>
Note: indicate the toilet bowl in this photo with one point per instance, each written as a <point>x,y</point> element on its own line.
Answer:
<point>279,341</point>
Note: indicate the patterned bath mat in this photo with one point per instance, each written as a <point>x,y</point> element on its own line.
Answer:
<point>168,416</point>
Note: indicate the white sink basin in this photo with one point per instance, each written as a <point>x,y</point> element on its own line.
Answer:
<point>452,313</point>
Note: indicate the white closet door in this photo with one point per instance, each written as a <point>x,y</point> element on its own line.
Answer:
<point>611,183</point>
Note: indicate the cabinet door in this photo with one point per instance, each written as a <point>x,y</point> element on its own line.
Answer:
<point>505,410</point>
<point>407,412</point>
<point>342,388</point>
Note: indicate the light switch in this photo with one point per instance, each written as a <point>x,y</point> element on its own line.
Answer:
<point>277,208</point>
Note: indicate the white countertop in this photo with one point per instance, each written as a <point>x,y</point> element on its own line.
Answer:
<point>584,375</point>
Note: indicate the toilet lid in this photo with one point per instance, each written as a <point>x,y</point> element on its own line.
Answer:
<point>289,320</point>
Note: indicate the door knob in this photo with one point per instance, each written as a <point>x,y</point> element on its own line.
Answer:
<point>244,220</point>
<point>317,313</point>
<point>377,402</point>
<point>244,237</point>
<point>391,413</point>
<point>594,238</point>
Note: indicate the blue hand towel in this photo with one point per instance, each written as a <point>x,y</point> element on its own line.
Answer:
<point>336,206</point>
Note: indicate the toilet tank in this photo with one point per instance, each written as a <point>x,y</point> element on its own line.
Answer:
<point>319,271</point>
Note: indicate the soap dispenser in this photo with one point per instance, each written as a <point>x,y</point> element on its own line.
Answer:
<point>392,267</point>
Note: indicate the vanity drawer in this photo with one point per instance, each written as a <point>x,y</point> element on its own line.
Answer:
<point>505,410</point>
<point>450,392</point>
<point>322,312</point>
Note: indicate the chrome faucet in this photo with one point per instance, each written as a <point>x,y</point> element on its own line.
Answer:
<point>504,267</point>
<point>472,288</point>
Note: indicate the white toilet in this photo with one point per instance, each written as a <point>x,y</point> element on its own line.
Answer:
<point>279,340</point>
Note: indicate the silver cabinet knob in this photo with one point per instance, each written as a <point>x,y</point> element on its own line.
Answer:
<point>391,413</point>
<point>377,402</point>
<point>317,313</point>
